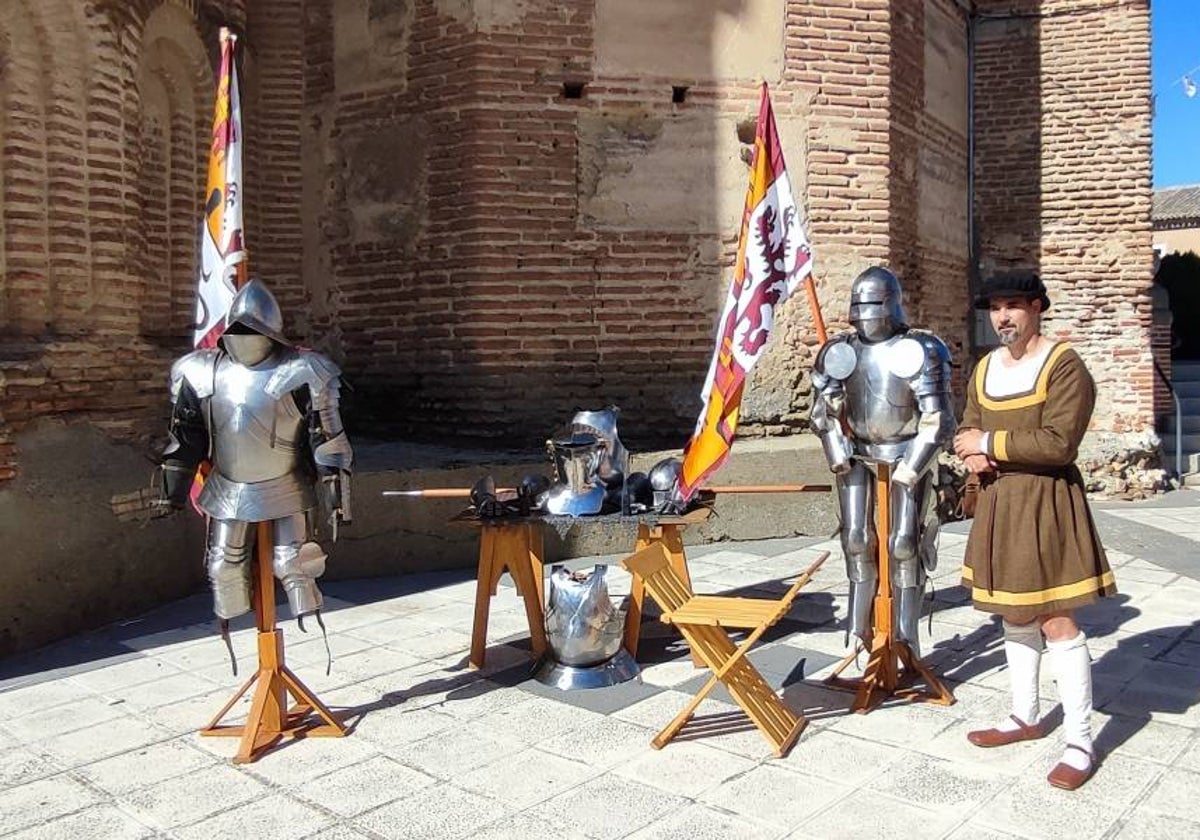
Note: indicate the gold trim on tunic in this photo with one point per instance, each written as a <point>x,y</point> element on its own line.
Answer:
<point>1034,397</point>
<point>1041,596</point>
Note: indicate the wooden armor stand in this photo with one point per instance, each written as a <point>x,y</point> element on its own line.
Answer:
<point>882,677</point>
<point>270,719</point>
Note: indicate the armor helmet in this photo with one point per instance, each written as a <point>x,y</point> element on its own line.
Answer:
<point>253,323</point>
<point>578,490</point>
<point>663,477</point>
<point>876,305</point>
<point>614,461</point>
<point>255,308</point>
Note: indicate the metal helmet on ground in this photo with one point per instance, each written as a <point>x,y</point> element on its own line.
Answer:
<point>877,305</point>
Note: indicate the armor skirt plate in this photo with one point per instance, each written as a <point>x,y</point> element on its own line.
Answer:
<point>258,501</point>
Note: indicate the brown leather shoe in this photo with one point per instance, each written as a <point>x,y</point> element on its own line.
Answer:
<point>1001,738</point>
<point>1067,777</point>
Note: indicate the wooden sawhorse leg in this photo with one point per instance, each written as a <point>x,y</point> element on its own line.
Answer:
<point>517,548</point>
<point>671,539</point>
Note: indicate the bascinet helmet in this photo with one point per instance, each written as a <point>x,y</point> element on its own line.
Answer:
<point>253,323</point>
<point>877,305</point>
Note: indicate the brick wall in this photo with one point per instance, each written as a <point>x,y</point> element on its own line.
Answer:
<point>437,212</point>
<point>485,264</point>
<point>1063,176</point>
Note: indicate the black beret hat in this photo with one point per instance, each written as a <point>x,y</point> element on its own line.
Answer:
<point>1024,284</point>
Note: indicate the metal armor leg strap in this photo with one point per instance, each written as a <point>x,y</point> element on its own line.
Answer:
<point>228,569</point>
<point>856,500</point>
<point>297,576</point>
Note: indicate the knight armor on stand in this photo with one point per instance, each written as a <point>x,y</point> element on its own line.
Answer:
<point>265,414</point>
<point>882,396</point>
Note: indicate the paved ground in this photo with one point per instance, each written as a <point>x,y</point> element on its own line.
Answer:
<point>98,735</point>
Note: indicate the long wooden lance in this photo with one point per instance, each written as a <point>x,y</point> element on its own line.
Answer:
<point>465,492</point>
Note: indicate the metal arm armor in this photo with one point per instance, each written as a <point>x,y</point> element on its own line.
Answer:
<point>931,386</point>
<point>188,444</point>
<point>826,416</point>
<point>311,370</point>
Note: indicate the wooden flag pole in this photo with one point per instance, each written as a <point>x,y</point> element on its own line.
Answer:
<point>810,291</point>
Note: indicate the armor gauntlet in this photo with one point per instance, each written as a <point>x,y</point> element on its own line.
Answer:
<point>187,447</point>
<point>331,449</point>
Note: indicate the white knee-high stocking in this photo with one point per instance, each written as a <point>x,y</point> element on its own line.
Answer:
<point>1072,666</point>
<point>1023,650</point>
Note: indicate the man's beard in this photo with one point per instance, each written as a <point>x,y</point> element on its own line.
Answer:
<point>1008,337</point>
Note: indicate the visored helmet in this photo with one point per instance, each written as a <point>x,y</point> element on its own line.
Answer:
<point>877,305</point>
<point>613,464</point>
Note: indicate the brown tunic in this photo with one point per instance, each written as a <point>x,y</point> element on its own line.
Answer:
<point>1033,548</point>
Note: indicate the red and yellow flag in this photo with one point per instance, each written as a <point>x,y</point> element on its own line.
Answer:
<point>222,269</point>
<point>773,258</point>
<point>222,246</point>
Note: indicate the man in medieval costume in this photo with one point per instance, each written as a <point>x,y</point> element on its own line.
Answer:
<point>1033,555</point>
<point>265,414</point>
<point>882,398</point>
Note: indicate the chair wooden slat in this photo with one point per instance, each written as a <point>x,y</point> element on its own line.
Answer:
<point>702,620</point>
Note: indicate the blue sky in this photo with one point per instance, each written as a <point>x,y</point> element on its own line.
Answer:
<point>1176,52</point>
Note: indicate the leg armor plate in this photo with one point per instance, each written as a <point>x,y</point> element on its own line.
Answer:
<point>296,565</point>
<point>908,572</point>
<point>856,504</point>
<point>228,569</point>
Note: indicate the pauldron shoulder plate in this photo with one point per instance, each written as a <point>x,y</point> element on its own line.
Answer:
<point>934,377</point>
<point>299,368</point>
<point>196,368</point>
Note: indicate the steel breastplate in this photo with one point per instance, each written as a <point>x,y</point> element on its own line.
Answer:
<point>255,436</point>
<point>880,406</point>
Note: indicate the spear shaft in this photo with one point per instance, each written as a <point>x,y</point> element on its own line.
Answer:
<point>465,492</point>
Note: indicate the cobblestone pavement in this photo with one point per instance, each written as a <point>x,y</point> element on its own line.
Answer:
<point>98,734</point>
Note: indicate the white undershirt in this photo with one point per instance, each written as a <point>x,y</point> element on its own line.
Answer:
<point>1004,381</point>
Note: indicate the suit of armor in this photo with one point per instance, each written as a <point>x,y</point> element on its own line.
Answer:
<point>265,414</point>
<point>882,396</point>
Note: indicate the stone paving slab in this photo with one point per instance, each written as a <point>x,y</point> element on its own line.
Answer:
<point>98,734</point>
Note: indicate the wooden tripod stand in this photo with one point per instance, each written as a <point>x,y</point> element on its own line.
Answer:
<point>270,719</point>
<point>883,677</point>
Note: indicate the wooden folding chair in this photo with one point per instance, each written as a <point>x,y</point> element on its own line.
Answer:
<point>703,619</point>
